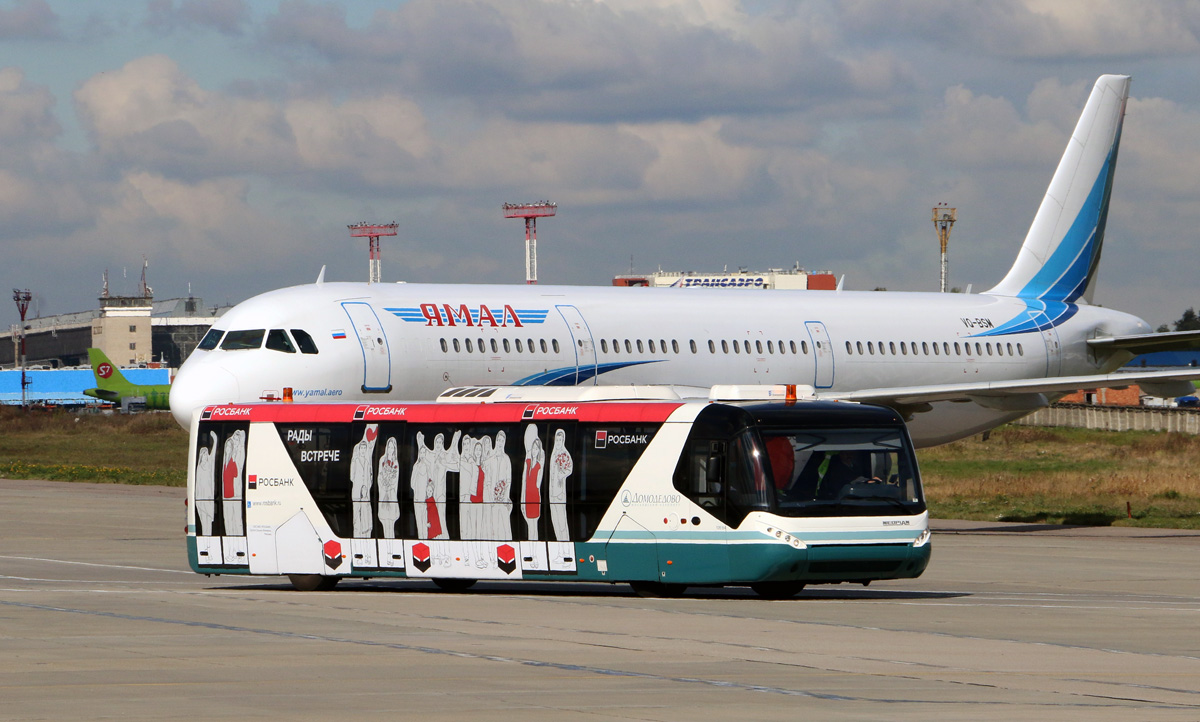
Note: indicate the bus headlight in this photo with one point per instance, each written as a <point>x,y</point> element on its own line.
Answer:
<point>923,539</point>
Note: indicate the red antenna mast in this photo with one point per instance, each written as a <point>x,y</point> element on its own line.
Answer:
<point>373,231</point>
<point>530,212</point>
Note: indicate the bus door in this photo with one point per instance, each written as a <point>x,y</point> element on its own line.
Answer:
<point>377,359</point>
<point>631,552</point>
<point>581,340</point>
<point>219,482</point>
<point>822,354</point>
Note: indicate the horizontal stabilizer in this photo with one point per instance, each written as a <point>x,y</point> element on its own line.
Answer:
<point>1148,342</point>
<point>994,393</point>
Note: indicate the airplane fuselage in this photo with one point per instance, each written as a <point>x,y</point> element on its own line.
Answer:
<point>387,342</point>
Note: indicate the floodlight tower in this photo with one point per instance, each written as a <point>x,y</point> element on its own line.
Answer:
<point>373,231</point>
<point>22,298</point>
<point>943,221</point>
<point>530,212</point>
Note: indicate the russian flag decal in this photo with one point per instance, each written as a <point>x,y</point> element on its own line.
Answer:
<point>339,333</point>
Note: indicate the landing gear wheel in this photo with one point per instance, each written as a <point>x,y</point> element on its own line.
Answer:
<point>777,590</point>
<point>658,589</point>
<point>313,582</point>
<point>454,585</point>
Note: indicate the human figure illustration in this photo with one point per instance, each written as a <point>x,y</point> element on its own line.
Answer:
<point>361,480</point>
<point>206,490</point>
<point>388,481</point>
<point>470,485</point>
<point>442,460</point>
<point>421,482</point>
<point>499,480</point>
<point>531,481</point>
<point>232,465</point>
<point>561,466</point>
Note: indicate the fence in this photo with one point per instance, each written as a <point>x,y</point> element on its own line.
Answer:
<point>1115,418</point>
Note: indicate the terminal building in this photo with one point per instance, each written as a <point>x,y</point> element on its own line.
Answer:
<point>131,330</point>
<point>789,278</point>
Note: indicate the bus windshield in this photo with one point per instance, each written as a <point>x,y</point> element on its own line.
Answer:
<point>842,472</point>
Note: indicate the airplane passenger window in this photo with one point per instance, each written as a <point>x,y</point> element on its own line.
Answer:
<point>892,347</point>
<point>543,345</point>
<point>1020,351</point>
<point>457,348</point>
<point>736,347</point>
<point>470,348</point>
<point>903,349</point>
<point>871,348</point>
<point>507,348</point>
<point>210,340</point>
<point>978,349</point>
<point>946,347</point>
<point>957,350</point>
<point>555,342</point>
<point>243,340</point>
<point>674,345</point>
<point>692,342</point>
<point>1010,349</point>
<point>771,346</point>
<point>758,346</point>
<point>935,348</point>
<point>628,346</point>
<point>999,349</point>
<point>304,341</point>
<point>662,345</point>
<point>522,350</point>
<point>859,346</point>
<point>989,349</point>
<point>925,348</point>
<point>482,346</point>
<point>495,348</point>
<point>746,345</point>
<point>445,346</point>
<point>651,343</point>
<point>711,348</point>
<point>639,345</point>
<point>603,345</point>
<point>725,346</point>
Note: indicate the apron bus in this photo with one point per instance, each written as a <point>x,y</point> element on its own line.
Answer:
<point>660,494</point>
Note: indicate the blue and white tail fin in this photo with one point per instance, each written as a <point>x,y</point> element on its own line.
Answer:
<point>1058,260</point>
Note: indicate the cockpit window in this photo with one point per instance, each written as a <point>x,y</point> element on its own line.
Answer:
<point>304,340</point>
<point>211,339</point>
<point>242,340</point>
<point>277,340</point>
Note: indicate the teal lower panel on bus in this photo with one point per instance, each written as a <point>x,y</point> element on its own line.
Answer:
<point>863,562</point>
<point>193,554</point>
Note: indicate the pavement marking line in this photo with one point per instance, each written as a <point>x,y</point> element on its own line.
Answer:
<point>92,564</point>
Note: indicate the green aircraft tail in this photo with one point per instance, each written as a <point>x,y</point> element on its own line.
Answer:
<point>112,386</point>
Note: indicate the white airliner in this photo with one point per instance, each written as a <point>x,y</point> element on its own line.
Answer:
<point>954,364</point>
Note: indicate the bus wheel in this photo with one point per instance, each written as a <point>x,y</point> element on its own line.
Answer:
<point>777,590</point>
<point>454,585</point>
<point>658,589</point>
<point>313,582</point>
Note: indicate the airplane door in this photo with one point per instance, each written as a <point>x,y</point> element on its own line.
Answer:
<point>1049,336</point>
<point>822,354</point>
<point>581,340</point>
<point>377,357</point>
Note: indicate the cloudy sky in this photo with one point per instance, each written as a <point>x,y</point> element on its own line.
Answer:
<point>231,142</point>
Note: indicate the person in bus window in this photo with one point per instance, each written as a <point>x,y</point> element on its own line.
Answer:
<point>531,481</point>
<point>846,468</point>
<point>232,466</point>
<point>388,480</point>
<point>499,478</point>
<point>561,467</point>
<point>206,505</point>
<point>361,481</point>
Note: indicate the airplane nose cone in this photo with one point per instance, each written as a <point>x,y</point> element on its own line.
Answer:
<point>197,387</point>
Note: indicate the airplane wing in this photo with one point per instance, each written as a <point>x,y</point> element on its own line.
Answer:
<point>1021,394</point>
<point>1148,342</point>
